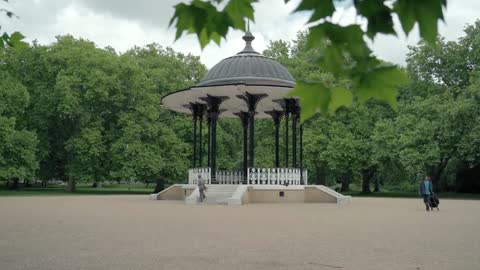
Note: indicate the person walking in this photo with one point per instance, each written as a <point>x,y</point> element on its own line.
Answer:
<point>426,191</point>
<point>201,187</point>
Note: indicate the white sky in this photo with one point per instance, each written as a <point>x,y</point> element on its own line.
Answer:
<point>122,24</point>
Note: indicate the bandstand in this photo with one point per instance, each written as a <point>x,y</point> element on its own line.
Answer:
<point>247,86</point>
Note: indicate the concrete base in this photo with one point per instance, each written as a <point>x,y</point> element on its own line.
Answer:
<point>243,194</point>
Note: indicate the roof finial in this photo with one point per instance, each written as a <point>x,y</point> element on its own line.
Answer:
<point>248,37</point>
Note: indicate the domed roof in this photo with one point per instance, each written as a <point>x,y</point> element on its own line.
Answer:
<point>248,67</point>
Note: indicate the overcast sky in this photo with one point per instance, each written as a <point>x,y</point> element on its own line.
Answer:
<point>122,24</point>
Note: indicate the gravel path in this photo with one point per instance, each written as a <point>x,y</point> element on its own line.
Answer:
<point>131,232</point>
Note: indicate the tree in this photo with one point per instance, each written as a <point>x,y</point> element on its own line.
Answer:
<point>17,145</point>
<point>437,118</point>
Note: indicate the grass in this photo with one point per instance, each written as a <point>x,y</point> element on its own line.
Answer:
<point>82,189</point>
<point>407,194</point>
<point>121,189</point>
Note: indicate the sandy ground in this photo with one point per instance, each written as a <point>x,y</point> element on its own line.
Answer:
<point>132,232</point>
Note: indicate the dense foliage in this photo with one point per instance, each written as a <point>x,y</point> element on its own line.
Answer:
<point>434,131</point>
<point>74,112</point>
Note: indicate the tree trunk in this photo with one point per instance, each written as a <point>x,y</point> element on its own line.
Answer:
<point>345,184</point>
<point>367,175</point>
<point>71,185</point>
<point>16,184</point>
<point>160,185</point>
<point>377,184</point>
<point>437,173</point>
<point>366,184</point>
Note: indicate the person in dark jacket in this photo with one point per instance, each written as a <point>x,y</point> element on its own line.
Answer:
<point>201,187</point>
<point>426,190</point>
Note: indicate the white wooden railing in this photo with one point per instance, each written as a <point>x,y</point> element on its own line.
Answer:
<point>195,172</point>
<point>255,176</point>
<point>229,177</point>
<point>274,176</point>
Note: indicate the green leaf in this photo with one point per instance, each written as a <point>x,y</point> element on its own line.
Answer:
<point>313,97</point>
<point>209,24</point>
<point>320,8</point>
<point>16,40</point>
<point>337,46</point>
<point>238,10</point>
<point>316,97</point>
<point>426,13</point>
<point>378,16</point>
<point>381,83</point>
<point>339,97</point>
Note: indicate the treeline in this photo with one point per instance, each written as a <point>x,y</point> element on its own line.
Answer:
<point>74,112</point>
<point>435,130</point>
<point>71,111</point>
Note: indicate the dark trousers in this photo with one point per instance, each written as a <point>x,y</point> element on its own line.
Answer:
<point>426,199</point>
<point>202,194</point>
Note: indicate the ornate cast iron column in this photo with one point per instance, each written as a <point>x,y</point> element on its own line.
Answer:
<point>213,104</point>
<point>276,116</point>
<point>244,118</point>
<point>201,112</point>
<point>209,137</point>
<point>252,101</point>
<point>285,104</point>
<point>195,140</point>
<point>194,108</point>
<point>294,110</point>
<point>303,181</point>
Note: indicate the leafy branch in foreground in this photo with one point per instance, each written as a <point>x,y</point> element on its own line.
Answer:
<point>14,40</point>
<point>342,50</point>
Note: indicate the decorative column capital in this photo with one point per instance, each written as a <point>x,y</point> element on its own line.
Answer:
<point>276,116</point>
<point>197,109</point>
<point>295,109</point>
<point>213,102</point>
<point>252,101</point>
<point>243,117</point>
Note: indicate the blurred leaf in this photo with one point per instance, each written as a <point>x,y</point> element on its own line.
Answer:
<point>238,10</point>
<point>203,18</point>
<point>313,97</point>
<point>426,13</point>
<point>381,83</point>
<point>320,8</point>
<point>339,97</point>
<point>340,48</point>
<point>378,16</point>
<point>16,40</point>
<point>316,97</point>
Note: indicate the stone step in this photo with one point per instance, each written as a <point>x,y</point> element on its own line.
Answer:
<point>219,194</point>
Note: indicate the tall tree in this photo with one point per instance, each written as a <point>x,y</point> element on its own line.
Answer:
<point>17,145</point>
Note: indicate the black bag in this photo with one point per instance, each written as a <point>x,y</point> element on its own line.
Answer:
<point>434,201</point>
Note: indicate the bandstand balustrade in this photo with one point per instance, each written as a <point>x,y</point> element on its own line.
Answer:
<point>255,176</point>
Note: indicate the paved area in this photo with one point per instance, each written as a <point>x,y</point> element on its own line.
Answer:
<point>131,232</point>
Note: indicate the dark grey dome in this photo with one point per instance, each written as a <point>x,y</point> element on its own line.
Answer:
<point>248,67</point>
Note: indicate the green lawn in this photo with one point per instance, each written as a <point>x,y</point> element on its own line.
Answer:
<point>406,194</point>
<point>118,189</point>
<point>81,190</point>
